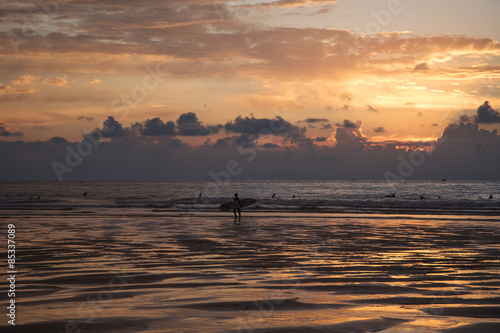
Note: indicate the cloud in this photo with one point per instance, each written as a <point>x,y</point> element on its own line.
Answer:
<point>8,90</point>
<point>421,67</point>
<point>464,138</point>
<point>349,136</point>
<point>24,80</point>
<point>345,98</point>
<point>39,127</point>
<point>156,127</point>
<point>7,131</point>
<point>464,118</point>
<point>112,128</point>
<point>56,81</point>
<point>326,126</point>
<point>270,145</point>
<point>347,124</point>
<point>96,81</point>
<point>315,120</point>
<point>370,108</point>
<point>290,3</point>
<point>463,152</point>
<point>486,115</point>
<point>189,125</point>
<point>379,129</point>
<point>85,118</point>
<point>57,140</point>
<point>277,126</point>
<point>254,126</point>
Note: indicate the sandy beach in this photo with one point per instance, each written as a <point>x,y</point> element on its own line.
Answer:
<point>291,272</point>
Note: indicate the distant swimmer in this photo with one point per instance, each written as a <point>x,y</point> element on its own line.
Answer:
<point>391,195</point>
<point>293,196</point>
<point>491,196</point>
<point>443,180</point>
<point>422,197</point>
<point>273,195</point>
<point>85,194</point>
<point>199,195</point>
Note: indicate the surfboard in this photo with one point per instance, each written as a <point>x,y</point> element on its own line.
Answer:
<point>230,205</point>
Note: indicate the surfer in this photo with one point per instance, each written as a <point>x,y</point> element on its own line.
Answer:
<point>239,208</point>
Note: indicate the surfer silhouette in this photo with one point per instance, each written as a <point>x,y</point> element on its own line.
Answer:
<point>239,208</point>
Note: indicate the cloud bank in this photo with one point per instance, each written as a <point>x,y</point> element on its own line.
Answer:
<point>266,148</point>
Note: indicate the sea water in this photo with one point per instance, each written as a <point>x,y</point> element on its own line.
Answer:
<point>320,196</point>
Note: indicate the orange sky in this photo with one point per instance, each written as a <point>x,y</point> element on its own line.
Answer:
<point>64,68</point>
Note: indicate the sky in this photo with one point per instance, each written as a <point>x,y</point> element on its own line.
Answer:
<point>283,89</point>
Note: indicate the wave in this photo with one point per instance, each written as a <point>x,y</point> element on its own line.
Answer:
<point>211,204</point>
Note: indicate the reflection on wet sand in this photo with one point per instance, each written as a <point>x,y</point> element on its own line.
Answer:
<point>287,274</point>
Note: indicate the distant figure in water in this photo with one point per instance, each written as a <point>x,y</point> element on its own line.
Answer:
<point>199,195</point>
<point>391,195</point>
<point>237,209</point>
<point>293,196</point>
<point>491,196</point>
<point>422,197</point>
<point>273,195</point>
<point>439,197</point>
<point>443,180</point>
<point>85,194</point>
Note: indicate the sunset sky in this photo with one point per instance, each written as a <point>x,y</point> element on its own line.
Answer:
<point>337,77</point>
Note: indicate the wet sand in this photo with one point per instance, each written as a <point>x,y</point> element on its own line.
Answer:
<point>278,273</point>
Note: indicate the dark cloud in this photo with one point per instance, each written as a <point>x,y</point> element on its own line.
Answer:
<point>85,118</point>
<point>57,140</point>
<point>7,131</point>
<point>38,127</point>
<point>379,129</point>
<point>270,145</point>
<point>486,115</point>
<point>155,127</point>
<point>112,128</point>
<point>464,118</point>
<point>463,152</point>
<point>189,125</point>
<point>242,140</point>
<point>326,126</point>
<point>421,67</point>
<point>347,124</point>
<point>316,120</point>
<point>255,126</point>
<point>468,140</point>
<point>370,108</point>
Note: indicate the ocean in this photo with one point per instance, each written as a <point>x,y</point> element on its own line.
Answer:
<point>355,196</point>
